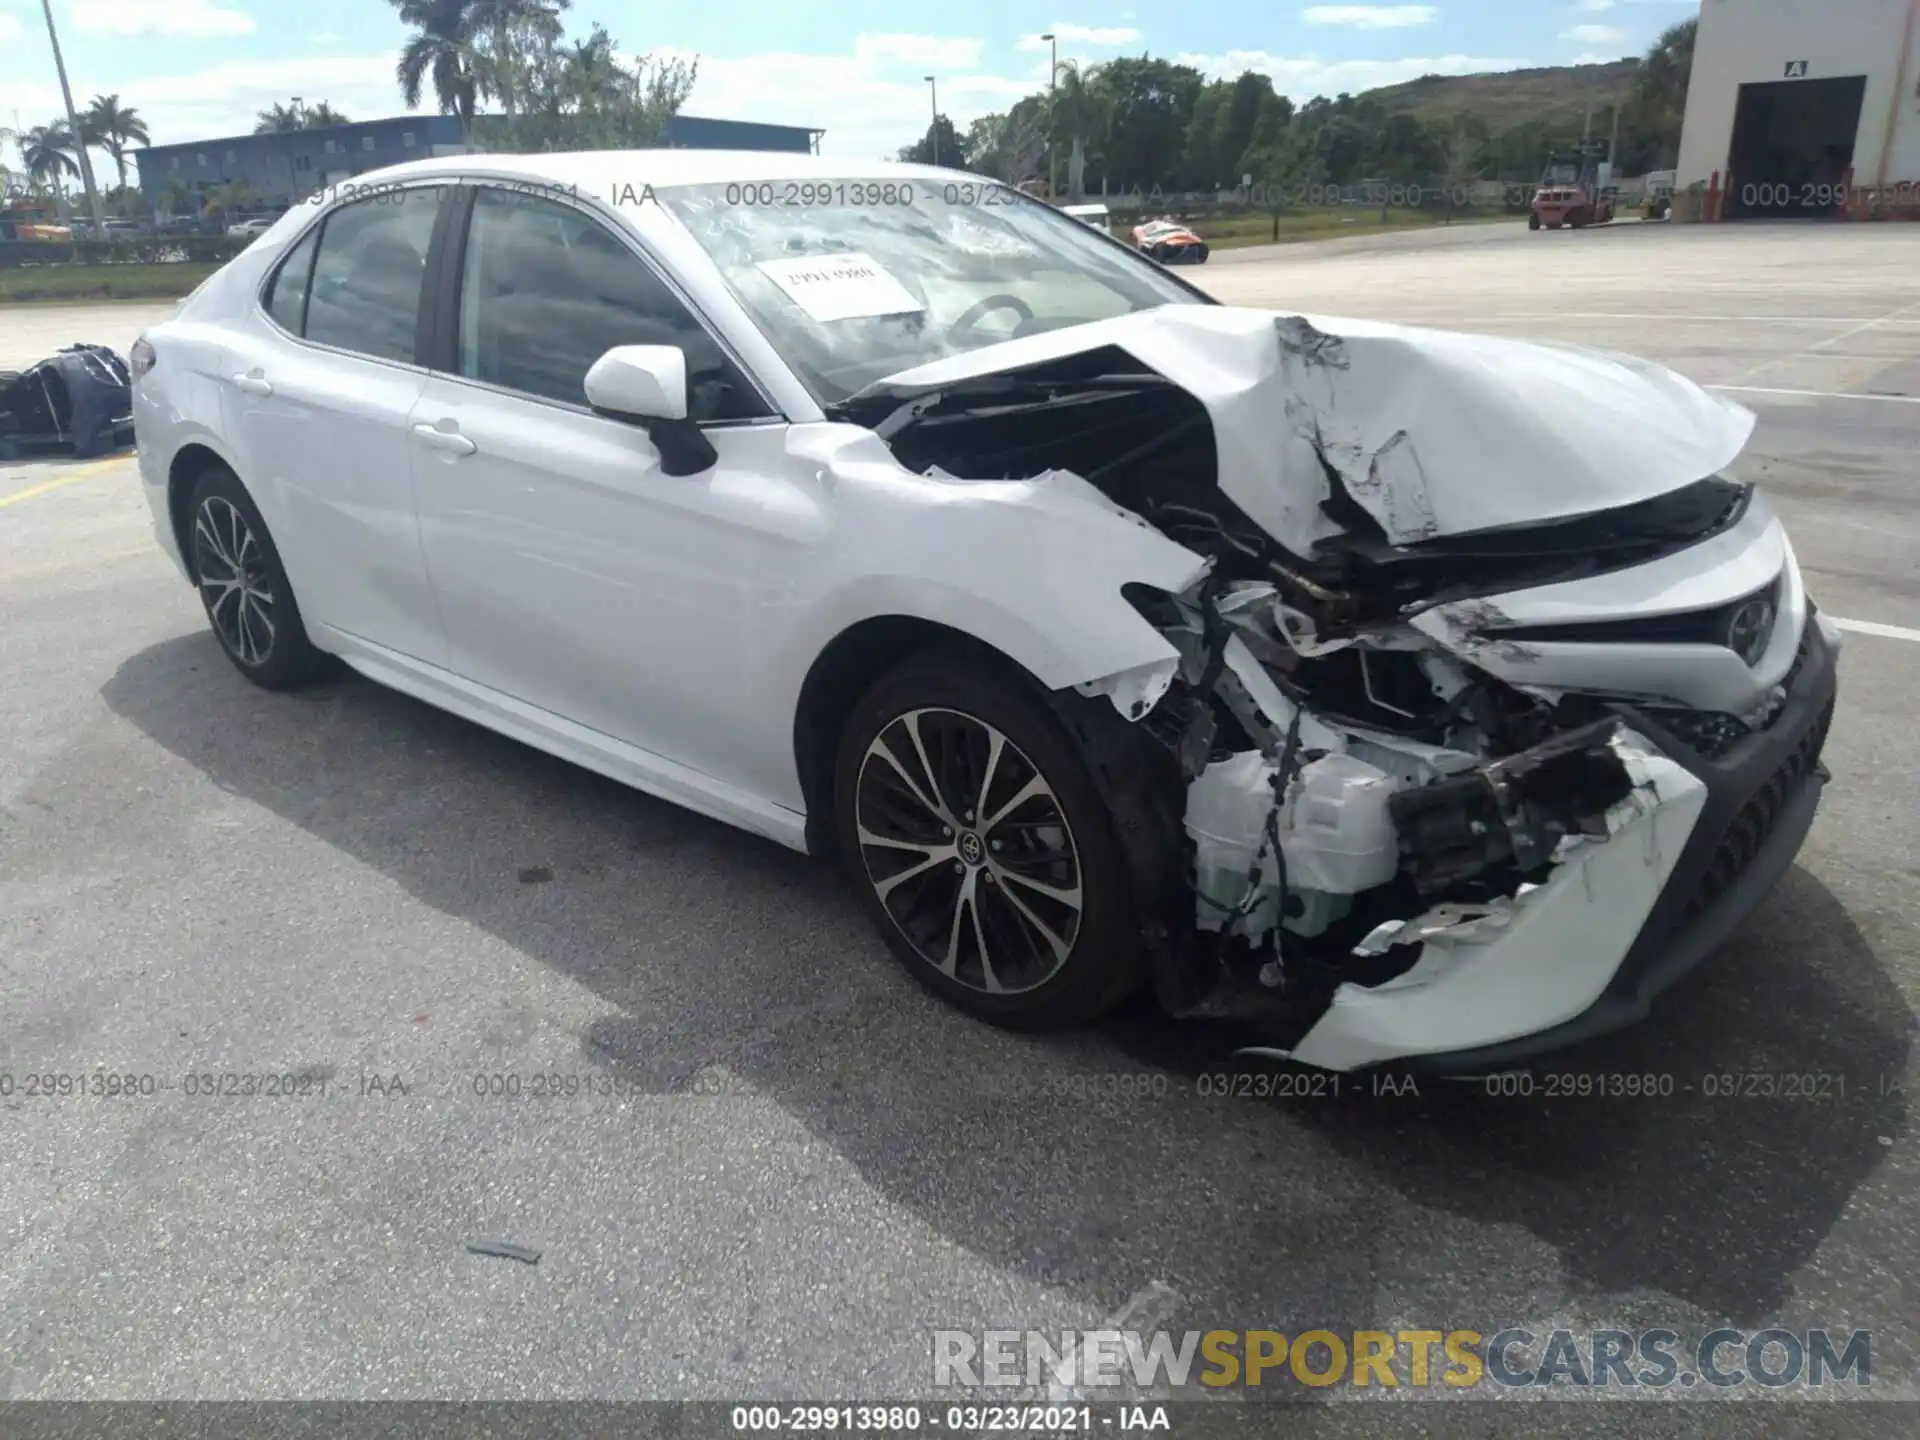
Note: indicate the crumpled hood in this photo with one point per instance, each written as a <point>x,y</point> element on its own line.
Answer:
<point>1434,433</point>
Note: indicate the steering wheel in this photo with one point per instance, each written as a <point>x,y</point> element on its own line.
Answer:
<point>980,309</point>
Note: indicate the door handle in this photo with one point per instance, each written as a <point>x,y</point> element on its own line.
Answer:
<point>451,441</point>
<point>253,384</point>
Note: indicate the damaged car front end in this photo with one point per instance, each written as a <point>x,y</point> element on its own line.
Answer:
<point>1493,706</point>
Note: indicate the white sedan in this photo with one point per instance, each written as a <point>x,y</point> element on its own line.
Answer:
<point>1423,697</point>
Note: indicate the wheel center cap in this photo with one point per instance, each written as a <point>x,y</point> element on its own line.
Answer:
<point>971,849</point>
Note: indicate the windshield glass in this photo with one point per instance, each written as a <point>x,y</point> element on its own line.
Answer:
<point>855,280</point>
<point>1562,175</point>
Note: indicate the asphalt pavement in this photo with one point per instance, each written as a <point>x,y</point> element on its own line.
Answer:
<point>767,1165</point>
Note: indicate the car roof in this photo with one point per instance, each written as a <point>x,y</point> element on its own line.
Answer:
<point>601,172</point>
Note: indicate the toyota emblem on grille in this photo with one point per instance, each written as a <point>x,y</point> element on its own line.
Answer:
<point>1750,628</point>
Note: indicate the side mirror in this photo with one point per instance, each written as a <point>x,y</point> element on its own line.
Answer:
<point>646,385</point>
<point>640,382</point>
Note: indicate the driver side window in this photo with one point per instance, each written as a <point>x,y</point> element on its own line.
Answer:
<point>546,290</point>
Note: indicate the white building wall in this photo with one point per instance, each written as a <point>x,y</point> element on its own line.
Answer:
<point>1744,42</point>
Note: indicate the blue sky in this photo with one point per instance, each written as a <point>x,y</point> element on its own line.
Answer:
<point>197,68</point>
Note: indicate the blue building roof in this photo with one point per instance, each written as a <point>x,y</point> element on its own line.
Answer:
<point>284,164</point>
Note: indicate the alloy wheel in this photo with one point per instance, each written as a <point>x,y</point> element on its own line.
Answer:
<point>969,851</point>
<point>234,580</point>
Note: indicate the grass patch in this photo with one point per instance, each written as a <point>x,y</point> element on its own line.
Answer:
<point>44,284</point>
<point>1327,223</point>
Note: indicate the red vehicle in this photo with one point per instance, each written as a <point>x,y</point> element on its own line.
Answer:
<point>1169,242</point>
<point>1573,191</point>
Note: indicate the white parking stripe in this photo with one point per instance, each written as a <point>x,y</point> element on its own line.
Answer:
<point>1863,321</point>
<point>1874,627</point>
<point>1890,317</point>
<point>1816,394</point>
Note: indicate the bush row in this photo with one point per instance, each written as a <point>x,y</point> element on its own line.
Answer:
<point>140,250</point>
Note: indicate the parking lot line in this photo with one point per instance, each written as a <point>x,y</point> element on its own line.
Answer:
<point>1874,627</point>
<point>1816,394</point>
<point>70,477</point>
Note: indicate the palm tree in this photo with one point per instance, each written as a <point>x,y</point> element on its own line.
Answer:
<point>441,47</point>
<point>50,153</point>
<point>277,120</point>
<point>320,116</point>
<point>114,127</point>
<point>1079,111</point>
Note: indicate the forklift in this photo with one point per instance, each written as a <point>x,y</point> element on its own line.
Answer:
<point>1576,189</point>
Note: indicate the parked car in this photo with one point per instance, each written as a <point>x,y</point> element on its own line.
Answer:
<point>1170,243</point>
<point>1105,634</point>
<point>259,225</point>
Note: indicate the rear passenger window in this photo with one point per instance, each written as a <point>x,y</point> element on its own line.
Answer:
<point>367,278</point>
<point>287,292</point>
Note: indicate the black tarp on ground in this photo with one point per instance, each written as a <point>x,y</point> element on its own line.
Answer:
<point>79,400</point>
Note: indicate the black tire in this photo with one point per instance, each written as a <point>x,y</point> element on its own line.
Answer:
<point>1533,220</point>
<point>957,702</point>
<point>257,623</point>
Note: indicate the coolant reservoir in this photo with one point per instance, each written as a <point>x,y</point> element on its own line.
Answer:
<point>1336,831</point>
<point>1227,808</point>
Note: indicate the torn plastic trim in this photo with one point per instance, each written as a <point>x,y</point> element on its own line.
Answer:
<point>1521,965</point>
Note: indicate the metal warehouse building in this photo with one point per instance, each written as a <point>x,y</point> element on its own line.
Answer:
<point>1802,107</point>
<point>283,165</point>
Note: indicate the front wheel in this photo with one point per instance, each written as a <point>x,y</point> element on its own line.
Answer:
<point>1533,221</point>
<point>244,588</point>
<point>982,850</point>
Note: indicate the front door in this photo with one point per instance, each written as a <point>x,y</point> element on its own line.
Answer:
<point>574,574</point>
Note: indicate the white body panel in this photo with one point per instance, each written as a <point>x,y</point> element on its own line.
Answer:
<point>529,565</point>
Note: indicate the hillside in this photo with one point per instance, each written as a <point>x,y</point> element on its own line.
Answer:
<point>1511,97</point>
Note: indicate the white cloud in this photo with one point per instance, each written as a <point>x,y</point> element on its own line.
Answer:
<point>1371,17</point>
<point>1593,7</point>
<point>870,102</point>
<point>9,26</point>
<point>1302,77</point>
<point>159,17</point>
<point>932,51</point>
<point>1589,58</point>
<point>1110,36</point>
<point>1594,34</point>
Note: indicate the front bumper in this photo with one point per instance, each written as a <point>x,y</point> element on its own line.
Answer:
<point>1755,805</point>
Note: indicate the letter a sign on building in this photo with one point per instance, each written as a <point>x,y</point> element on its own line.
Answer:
<point>1796,69</point>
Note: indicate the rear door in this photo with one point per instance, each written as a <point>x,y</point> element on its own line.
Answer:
<point>317,394</point>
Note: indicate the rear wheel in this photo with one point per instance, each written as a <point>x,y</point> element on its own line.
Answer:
<point>981,847</point>
<point>243,587</point>
<point>1578,219</point>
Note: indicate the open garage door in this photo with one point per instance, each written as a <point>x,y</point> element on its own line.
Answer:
<point>1792,144</point>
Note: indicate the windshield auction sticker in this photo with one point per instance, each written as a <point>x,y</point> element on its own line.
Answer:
<point>840,287</point>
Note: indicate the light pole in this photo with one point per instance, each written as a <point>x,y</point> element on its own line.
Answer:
<point>73,123</point>
<point>933,92</point>
<point>1053,73</point>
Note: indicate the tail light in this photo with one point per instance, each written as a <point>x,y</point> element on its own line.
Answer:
<point>142,357</point>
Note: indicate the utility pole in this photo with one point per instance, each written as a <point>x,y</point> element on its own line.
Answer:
<point>73,123</point>
<point>1053,74</point>
<point>933,91</point>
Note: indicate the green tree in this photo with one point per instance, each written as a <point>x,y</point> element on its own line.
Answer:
<point>441,51</point>
<point>942,141</point>
<point>1150,103</point>
<point>51,154</point>
<point>1079,113</point>
<point>585,97</point>
<point>321,116</point>
<point>115,128</point>
<point>1655,106</point>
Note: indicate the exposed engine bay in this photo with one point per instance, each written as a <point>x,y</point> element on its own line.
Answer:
<point>1370,790</point>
